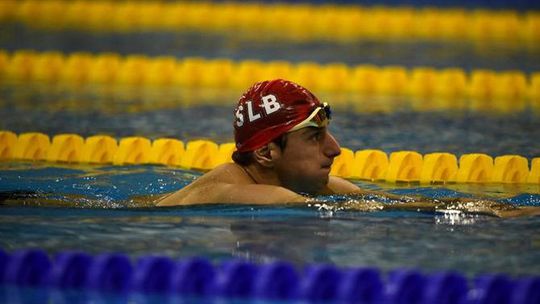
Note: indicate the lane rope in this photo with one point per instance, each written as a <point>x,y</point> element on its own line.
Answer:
<point>504,89</point>
<point>278,280</point>
<point>372,164</point>
<point>297,22</point>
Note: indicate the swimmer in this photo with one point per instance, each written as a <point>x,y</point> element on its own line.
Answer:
<point>284,152</point>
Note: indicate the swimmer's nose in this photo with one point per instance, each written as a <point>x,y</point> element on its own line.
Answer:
<point>331,146</point>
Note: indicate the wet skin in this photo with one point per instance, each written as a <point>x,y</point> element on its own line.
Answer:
<point>303,166</point>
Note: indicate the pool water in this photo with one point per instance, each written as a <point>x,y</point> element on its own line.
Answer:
<point>235,46</point>
<point>108,209</point>
<point>391,123</point>
<point>99,209</point>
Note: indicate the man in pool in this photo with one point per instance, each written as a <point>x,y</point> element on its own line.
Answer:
<point>284,152</point>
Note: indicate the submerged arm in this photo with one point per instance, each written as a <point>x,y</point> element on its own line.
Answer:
<point>467,205</point>
<point>366,200</point>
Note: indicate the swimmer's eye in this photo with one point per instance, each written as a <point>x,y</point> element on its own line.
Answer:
<point>317,135</point>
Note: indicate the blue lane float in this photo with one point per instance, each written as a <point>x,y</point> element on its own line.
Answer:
<point>237,279</point>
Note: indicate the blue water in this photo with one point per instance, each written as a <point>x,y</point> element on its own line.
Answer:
<point>237,47</point>
<point>107,209</point>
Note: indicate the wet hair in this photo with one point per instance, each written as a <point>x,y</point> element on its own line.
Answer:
<point>245,158</point>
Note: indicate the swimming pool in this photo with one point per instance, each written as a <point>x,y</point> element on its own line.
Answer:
<point>105,208</point>
<point>100,208</point>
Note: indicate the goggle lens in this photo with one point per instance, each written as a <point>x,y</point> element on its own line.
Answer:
<point>320,119</point>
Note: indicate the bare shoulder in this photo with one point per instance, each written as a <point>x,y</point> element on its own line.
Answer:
<point>226,173</point>
<point>205,187</point>
<point>229,183</point>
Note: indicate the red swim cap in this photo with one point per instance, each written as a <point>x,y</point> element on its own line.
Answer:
<point>269,109</point>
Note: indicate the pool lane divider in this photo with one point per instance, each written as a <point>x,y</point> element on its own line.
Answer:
<point>505,89</point>
<point>293,22</point>
<point>369,164</point>
<point>239,279</point>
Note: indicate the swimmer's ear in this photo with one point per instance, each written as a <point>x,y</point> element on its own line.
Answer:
<point>263,156</point>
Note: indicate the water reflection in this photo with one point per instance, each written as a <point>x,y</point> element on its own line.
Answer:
<point>455,217</point>
<point>263,240</point>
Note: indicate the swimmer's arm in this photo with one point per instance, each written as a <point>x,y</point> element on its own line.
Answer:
<point>490,208</point>
<point>338,185</point>
<point>232,193</point>
<point>466,205</point>
<point>520,211</point>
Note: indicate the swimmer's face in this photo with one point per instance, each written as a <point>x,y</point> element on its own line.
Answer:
<point>304,164</point>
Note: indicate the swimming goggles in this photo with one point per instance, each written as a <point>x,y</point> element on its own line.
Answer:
<point>319,118</point>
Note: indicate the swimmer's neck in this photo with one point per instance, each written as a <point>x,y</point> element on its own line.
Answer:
<point>261,175</point>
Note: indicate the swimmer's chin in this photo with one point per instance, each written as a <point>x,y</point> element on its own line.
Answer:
<point>326,169</point>
<point>315,188</point>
